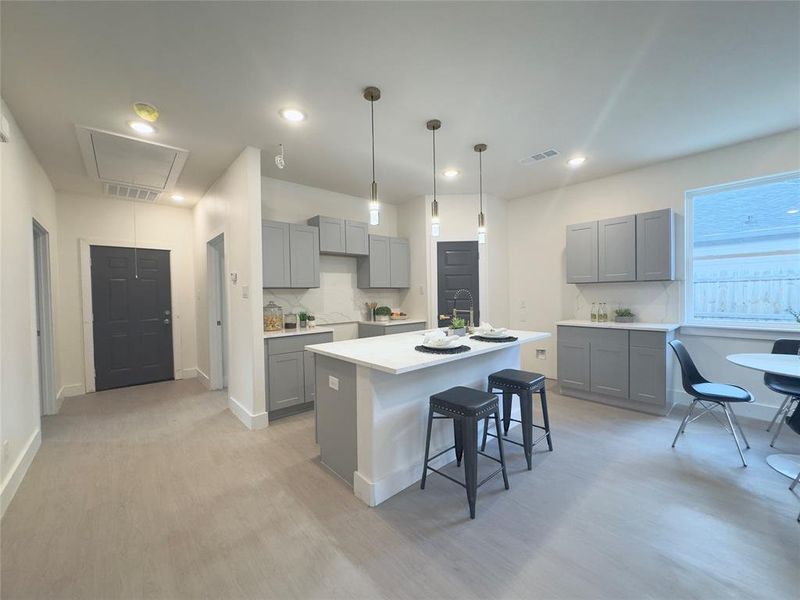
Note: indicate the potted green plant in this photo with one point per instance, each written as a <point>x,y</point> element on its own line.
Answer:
<point>458,326</point>
<point>624,315</point>
<point>382,313</point>
<point>312,320</point>
<point>302,316</point>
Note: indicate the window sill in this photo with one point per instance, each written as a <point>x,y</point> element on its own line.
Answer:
<point>752,332</point>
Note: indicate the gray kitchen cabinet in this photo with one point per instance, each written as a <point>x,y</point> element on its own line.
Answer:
<point>373,270</point>
<point>275,261</point>
<point>331,234</point>
<point>627,368</point>
<point>655,246</point>
<point>309,377</point>
<point>286,380</point>
<point>399,263</point>
<point>616,249</point>
<point>581,253</point>
<point>356,238</point>
<point>609,362</point>
<point>304,256</point>
<point>375,329</point>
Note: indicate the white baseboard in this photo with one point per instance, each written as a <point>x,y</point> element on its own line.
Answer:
<point>204,379</point>
<point>250,420</point>
<point>18,471</point>
<point>189,373</point>
<point>69,390</point>
<point>752,410</point>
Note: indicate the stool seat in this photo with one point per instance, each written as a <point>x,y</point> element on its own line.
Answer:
<point>465,401</point>
<point>525,380</point>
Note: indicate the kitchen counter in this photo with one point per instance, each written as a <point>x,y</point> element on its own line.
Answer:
<point>395,322</point>
<point>613,325</point>
<point>372,404</point>
<point>293,332</point>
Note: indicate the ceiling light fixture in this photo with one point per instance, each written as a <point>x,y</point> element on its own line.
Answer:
<point>146,111</point>
<point>432,126</point>
<point>480,149</point>
<point>451,173</point>
<point>371,94</point>
<point>141,127</point>
<point>280,159</point>
<point>292,114</point>
<point>178,198</point>
<point>576,162</point>
<point>793,211</point>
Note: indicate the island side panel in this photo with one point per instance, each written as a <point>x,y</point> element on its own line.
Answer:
<point>336,416</point>
<point>392,418</point>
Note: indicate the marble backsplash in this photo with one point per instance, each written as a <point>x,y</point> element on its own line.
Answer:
<point>338,299</point>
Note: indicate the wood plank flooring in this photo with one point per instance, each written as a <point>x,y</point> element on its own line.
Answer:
<point>158,492</point>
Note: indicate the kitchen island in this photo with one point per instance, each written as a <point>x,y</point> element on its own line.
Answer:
<point>372,404</point>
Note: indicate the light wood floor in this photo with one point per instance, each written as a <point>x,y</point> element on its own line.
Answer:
<point>158,492</point>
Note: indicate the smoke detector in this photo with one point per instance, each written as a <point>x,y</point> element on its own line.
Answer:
<point>538,157</point>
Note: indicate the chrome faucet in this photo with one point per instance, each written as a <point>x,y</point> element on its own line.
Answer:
<point>470,311</point>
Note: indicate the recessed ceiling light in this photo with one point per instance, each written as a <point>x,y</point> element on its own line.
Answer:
<point>293,115</point>
<point>793,211</point>
<point>450,173</point>
<point>141,127</point>
<point>177,197</point>
<point>576,162</point>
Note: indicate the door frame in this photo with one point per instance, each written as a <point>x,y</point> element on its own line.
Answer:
<point>218,347</point>
<point>43,309</point>
<point>85,263</point>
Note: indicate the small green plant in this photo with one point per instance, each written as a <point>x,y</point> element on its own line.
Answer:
<point>311,318</point>
<point>624,312</point>
<point>794,313</point>
<point>457,323</point>
<point>383,311</point>
<point>303,316</point>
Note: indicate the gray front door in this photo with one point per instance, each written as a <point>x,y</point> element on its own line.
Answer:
<point>132,316</point>
<point>457,269</point>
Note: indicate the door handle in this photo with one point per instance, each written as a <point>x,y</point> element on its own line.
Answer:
<point>166,321</point>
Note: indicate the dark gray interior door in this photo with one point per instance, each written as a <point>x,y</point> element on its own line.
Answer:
<point>132,316</point>
<point>457,269</point>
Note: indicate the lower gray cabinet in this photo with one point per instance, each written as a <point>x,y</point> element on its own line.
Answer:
<point>286,380</point>
<point>309,377</point>
<point>616,366</point>
<point>366,330</point>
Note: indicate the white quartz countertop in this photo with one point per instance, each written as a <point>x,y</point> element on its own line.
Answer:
<point>613,325</point>
<point>395,354</point>
<point>395,322</point>
<point>293,332</point>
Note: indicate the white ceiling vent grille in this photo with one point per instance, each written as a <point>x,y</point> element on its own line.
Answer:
<point>539,157</point>
<point>130,192</point>
<point>129,167</point>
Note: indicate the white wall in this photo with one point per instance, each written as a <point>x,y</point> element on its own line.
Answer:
<point>539,295</point>
<point>233,206</point>
<point>102,220</point>
<point>338,299</point>
<point>25,194</point>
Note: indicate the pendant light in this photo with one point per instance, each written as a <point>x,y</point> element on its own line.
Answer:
<point>480,149</point>
<point>432,126</point>
<point>372,94</point>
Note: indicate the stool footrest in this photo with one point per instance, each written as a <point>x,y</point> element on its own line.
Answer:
<point>445,451</point>
<point>508,441</point>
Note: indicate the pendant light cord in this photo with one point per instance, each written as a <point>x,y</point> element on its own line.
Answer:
<point>372,126</point>
<point>480,178</point>
<point>434,164</point>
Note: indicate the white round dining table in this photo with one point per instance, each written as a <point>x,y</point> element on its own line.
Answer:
<point>777,364</point>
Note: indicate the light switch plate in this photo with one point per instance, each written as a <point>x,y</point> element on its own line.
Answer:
<point>245,291</point>
<point>541,354</point>
<point>333,382</point>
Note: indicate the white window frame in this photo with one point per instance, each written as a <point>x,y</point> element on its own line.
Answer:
<point>688,291</point>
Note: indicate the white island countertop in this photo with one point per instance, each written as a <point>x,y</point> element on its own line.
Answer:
<point>395,354</point>
<point>636,326</point>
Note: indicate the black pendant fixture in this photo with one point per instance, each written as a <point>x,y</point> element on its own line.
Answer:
<point>480,149</point>
<point>433,125</point>
<point>372,94</point>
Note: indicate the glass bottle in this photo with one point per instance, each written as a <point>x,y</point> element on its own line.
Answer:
<point>604,312</point>
<point>593,316</point>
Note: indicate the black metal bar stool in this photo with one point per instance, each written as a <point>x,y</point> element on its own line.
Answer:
<point>466,406</point>
<point>524,384</point>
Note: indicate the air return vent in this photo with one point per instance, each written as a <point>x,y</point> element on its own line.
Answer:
<point>538,157</point>
<point>129,167</point>
<point>130,192</point>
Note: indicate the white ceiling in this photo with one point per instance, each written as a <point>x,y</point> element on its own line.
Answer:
<point>624,83</point>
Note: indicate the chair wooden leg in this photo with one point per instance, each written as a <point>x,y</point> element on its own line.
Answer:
<point>427,449</point>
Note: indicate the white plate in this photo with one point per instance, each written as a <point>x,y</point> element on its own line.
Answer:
<point>497,333</point>
<point>450,344</point>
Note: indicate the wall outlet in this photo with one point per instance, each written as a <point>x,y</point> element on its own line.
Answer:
<point>541,354</point>
<point>333,382</point>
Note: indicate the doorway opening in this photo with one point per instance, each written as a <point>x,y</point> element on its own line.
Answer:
<point>217,311</point>
<point>132,310</point>
<point>457,282</point>
<point>44,320</point>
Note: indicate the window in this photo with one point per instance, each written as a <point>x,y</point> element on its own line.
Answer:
<point>743,252</point>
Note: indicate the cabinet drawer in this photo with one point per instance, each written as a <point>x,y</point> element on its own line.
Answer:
<point>569,334</point>
<point>649,339</point>
<point>296,343</point>
<point>404,328</point>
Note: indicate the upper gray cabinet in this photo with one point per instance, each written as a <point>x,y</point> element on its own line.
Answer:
<point>582,253</point>
<point>616,249</point>
<point>341,236</point>
<point>655,246</point>
<point>289,255</point>
<point>275,255</point>
<point>388,263</point>
<point>632,248</point>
